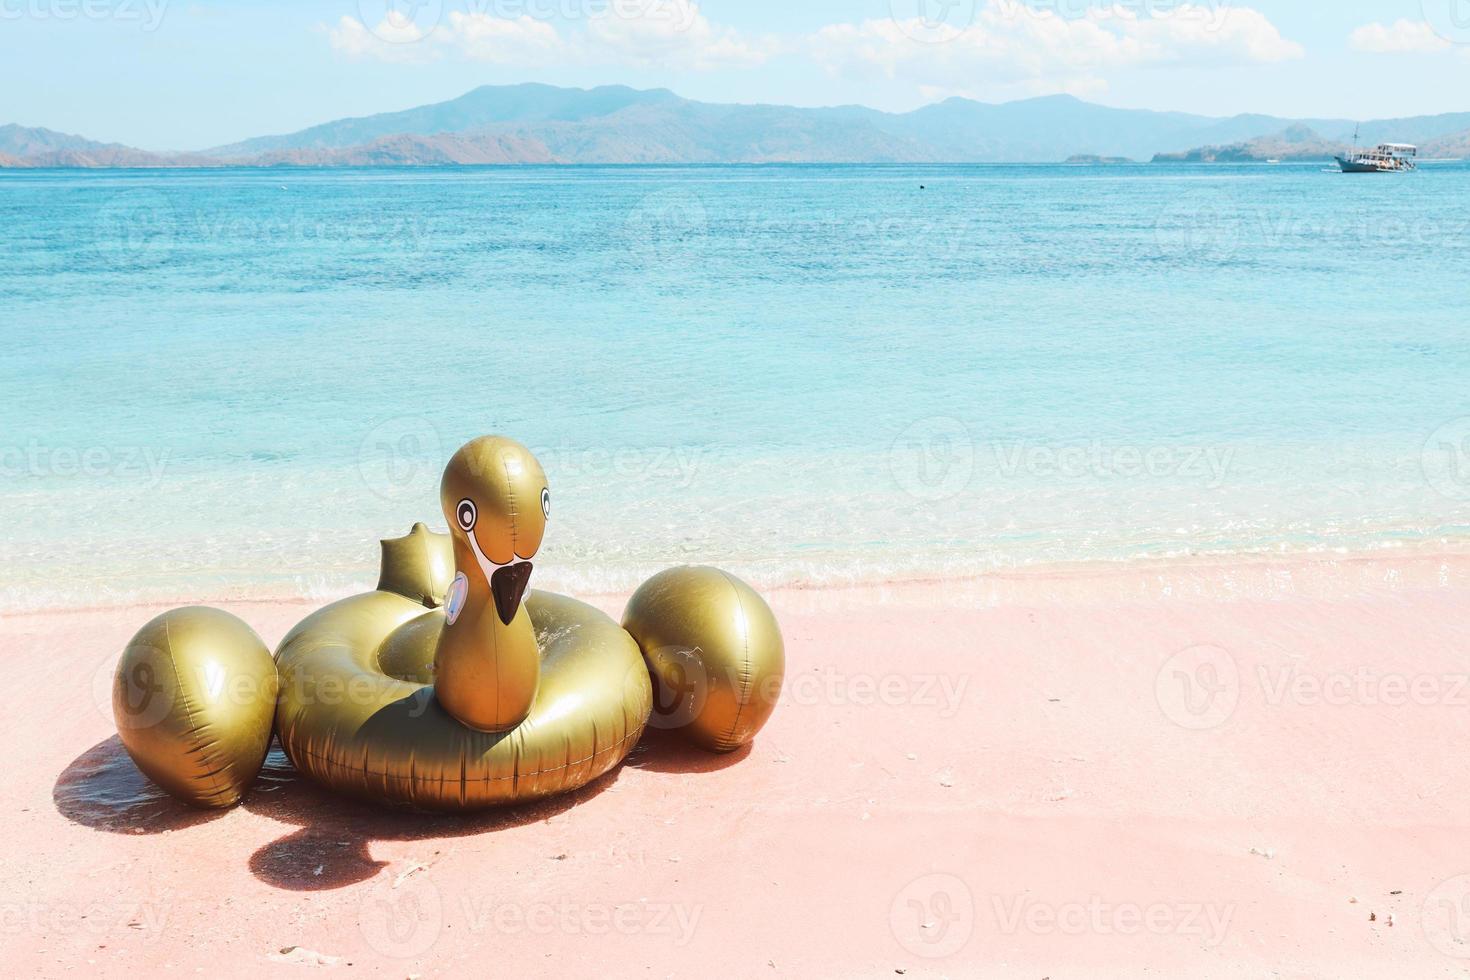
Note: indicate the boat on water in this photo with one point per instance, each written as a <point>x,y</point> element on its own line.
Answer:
<point>1385,158</point>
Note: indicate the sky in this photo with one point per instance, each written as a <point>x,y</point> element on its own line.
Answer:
<point>177,75</point>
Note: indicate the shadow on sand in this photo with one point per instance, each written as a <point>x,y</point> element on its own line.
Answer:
<point>667,752</point>
<point>102,789</point>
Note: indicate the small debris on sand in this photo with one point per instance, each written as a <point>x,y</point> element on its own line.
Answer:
<point>299,956</point>
<point>1372,916</point>
<point>414,867</point>
<point>1265,852</point>
<point>946,777</point>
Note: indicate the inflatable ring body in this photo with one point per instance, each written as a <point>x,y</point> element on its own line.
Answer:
<point>358,712</point>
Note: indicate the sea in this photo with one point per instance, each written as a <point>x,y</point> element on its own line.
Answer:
<point>235,382</point>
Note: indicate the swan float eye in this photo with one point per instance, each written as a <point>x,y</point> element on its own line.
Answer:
<point>546,502</point>
<point>466,514</point>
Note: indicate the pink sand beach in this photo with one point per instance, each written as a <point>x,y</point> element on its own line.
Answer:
<point>1239,770</point>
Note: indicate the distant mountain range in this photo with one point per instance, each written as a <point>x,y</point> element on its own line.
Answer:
<point>519,124</point>
<point>1296,144</point>
<point>1301,143</point>
<point>23,147</point>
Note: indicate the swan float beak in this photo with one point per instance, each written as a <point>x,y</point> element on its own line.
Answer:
<point>507,582</point>
<point>508,586</point>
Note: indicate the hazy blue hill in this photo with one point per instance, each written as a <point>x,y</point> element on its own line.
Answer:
<point>416,151</point>
<point>479,109</point>
<point>24,141</point>
<point>1061,126</point>
<point>1418,129</point>
<point>695,132</point>
<point>1439,132</point>
<point>24,146</point>
<point>1297,143</point>
<point>1453,147</point>
<point>1049,128</point>
<point>535,123</point>
<point>615,124</point>
<point>1300,142</point>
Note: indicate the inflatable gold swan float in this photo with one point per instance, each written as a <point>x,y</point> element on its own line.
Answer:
<point>451,687</point>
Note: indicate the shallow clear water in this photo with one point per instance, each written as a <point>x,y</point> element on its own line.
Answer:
<point>237,381</point>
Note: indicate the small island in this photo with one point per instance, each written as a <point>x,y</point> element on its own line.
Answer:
<point>1093,160</point>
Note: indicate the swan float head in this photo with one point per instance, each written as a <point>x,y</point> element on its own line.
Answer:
<point>497,502</point>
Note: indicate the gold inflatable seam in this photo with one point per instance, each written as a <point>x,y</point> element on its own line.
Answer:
<point>510,495</point>
<point>745,671</point>
<point>425,600</point>
<point>463,779</point>
<point>209,768</point>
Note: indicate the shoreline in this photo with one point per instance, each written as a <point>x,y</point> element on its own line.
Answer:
<point>1237,577</point>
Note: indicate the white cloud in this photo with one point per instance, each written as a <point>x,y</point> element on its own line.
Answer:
<point>672,33</point>
<point>1402,37</point>
<point>643,33</point>
<point>397,39</point>
<point>523,41</point>
<point>1013,42</point>
<point>1012,47</point>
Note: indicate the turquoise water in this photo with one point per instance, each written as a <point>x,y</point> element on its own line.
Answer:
<point>237,381</point>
